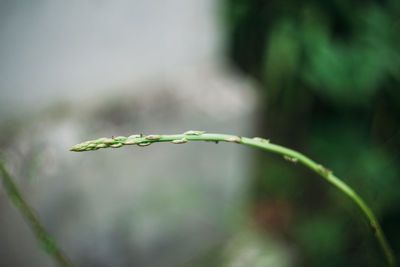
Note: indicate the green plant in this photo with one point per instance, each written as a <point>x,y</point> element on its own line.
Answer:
<point>288,154</point>
<point>45,240</point>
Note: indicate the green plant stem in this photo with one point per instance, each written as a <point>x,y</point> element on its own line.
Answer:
<point>261,143</point>
<point>44,238</point>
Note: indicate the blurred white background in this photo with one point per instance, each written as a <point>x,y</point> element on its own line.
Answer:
<point>52,50</point>
<point>77,70</point>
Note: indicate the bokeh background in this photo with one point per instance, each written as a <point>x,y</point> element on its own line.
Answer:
<point>321,77</point>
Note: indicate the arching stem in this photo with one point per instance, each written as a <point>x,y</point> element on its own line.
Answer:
<point>261,143</point>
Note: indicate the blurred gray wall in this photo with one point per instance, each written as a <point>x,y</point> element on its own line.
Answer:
<point>53,50</point>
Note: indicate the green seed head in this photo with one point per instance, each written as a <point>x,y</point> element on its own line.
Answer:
<point>191,132</point>
<point>116,145</point>
<point>130,142</point>
<point>235,139</point>
<point>119,138</point>
<point>179,141</point>
<point>108,141</point>
<point>153,137</point>
<point>101,146</point>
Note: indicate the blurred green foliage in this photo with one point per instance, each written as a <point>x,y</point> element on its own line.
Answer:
<point>330,75</point>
